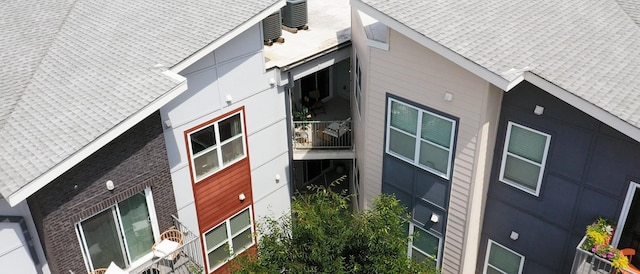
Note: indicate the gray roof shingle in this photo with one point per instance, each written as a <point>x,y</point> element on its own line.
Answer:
<point>588,48</point>
<point>632,8</point>
<point>72,70</point>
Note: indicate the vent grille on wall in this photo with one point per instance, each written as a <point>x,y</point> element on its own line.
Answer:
<point>294,14</point>
<point>271,29</point>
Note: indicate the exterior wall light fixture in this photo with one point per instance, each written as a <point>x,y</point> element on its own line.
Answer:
<point>435,218</point>
<point>110,185</point>
<point>514,235</point>
<point>538,110</point>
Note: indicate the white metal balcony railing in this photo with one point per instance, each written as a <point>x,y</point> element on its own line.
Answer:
<point>322,134</point>
<point>585,262</point>
<point>189,259</point>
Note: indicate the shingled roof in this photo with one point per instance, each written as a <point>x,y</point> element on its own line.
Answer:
<point>74,71</point>
<point>632,8</point>
<point>584,52</point>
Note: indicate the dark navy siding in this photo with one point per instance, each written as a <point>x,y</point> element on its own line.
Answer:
<point>421,191</point>
<point>588,171</point>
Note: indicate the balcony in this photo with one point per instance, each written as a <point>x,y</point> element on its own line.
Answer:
<point>187,259</point>
<point>322,134</point>
<point>586,262</point>
<point>326,134</point>
<point>317,140</point>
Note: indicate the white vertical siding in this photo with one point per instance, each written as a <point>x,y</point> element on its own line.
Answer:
<point>235,69</point>
<point>22,210</point>
<point>413,72</point>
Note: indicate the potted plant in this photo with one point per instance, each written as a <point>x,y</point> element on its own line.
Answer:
<point>600,232</point>
<point>301,115</point>
<point>598,240</point>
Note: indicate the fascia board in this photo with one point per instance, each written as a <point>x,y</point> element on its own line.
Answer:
<point>98,143</point>
<point>585,106</point>
<point>312,64</point>
<point>445,52</point>
<point>502,83</point>
<point>307,67</point>
<point>227,37</point>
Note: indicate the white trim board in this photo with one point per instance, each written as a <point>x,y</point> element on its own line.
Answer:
<point>499,81</point>
<point>116,131</point>
<point>624,212</point>
<point>51,174</point>
<point>227,37</point>
<point>584,106</point>
<point>313,65</point>
<point>445,52</point>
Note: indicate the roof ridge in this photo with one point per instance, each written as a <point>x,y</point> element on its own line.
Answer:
<point>3,122</point>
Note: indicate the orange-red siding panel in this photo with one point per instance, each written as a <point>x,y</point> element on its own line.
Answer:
<point>216,197</point>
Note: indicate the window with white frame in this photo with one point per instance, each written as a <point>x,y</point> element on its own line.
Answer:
<point>358,82</point>
<point>229,238</point>
<point>420,137</point>
<point>501,260</point>
<point>524,157</point>
<point>356,185</point>
<point>217,145</point>
<point>423,245</point>
<point>121,234</point>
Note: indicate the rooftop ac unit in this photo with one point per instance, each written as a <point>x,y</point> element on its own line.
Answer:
<point>294,14</point>
<point>271,29</point>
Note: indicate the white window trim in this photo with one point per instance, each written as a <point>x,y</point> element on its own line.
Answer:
<point>624,213</point>
<point>154,228</point>
<point>218,146</point>
<point>412,229</point>
<point>542,165</point>
<point>486,257</point>
<point>356,184</point>
<point>357,81</point>
<point>229,240</point>
<point>416,160</point>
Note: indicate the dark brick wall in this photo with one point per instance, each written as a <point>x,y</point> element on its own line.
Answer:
<point>133,161</point>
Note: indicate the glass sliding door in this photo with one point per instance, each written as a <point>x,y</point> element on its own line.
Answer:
<point>136,225</point>
<point>102,240</point>
<point>121,234</point>
<point>627,232</point>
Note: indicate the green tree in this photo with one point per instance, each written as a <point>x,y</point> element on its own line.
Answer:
<point>324,236</point>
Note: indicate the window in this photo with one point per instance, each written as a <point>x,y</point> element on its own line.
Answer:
<point>217,146</point>
<point>314,169</point>
<point>121,234</point>
<point>356,185</point>
<point>316,81</point>
<point>501,260</point>
<point>422,138</point>
<point>423,244</point>
<point>232,236</point>
<point>524,157</point>
<point>358,82</point>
